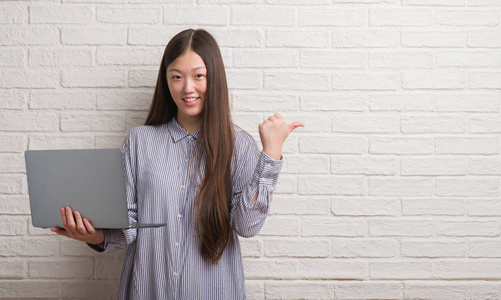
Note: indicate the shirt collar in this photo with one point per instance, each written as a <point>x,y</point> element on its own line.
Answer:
<point>178,133</point>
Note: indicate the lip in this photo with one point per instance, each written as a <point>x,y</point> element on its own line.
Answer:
<point>191,103</point>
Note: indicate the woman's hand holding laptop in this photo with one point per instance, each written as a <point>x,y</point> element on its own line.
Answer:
<point>78,228</point>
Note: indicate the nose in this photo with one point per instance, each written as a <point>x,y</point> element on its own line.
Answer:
<point>188,86</point>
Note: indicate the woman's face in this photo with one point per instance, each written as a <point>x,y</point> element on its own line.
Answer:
<point>187,81</point>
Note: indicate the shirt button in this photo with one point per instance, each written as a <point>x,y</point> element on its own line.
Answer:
<point>268,165</point>
<point>177,244</point>
<point>182,186</point>
<point>179,216</point>
<point>262,178</point>
<point>175,273</point>
<point>186,160</point>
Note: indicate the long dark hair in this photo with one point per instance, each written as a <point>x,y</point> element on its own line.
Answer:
<point>215,144</point>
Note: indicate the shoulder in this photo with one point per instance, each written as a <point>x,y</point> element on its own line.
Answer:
<point>245,144</point>
<point>145,131</point>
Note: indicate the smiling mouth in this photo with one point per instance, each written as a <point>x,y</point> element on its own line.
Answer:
<point>190,99</point>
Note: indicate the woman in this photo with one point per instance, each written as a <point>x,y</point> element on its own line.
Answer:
<point>189,168</point>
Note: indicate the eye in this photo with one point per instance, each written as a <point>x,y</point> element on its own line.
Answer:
<point>176,77</point>
<point>200,76</point>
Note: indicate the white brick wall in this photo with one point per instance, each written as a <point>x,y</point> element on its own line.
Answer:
<point>392,191</point>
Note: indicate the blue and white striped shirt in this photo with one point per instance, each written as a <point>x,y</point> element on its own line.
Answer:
<point>166,262</point>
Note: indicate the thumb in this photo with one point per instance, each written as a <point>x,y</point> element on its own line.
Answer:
<point>295,125</point>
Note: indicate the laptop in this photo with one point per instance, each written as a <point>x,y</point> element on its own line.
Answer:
<point>90,181</point>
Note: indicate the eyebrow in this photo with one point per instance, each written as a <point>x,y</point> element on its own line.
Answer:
<point>176,70</point>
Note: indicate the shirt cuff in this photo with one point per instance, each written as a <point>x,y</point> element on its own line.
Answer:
<point>267,169</point>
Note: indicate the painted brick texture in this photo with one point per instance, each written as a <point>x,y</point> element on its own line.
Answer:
<point>391,191</point>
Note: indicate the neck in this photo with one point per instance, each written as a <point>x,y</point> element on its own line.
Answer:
<point>189,124</point>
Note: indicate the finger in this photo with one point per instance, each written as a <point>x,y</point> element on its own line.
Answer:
<point>59,231</point>
<point>271,118</point>
<point>295,125</point>
<point>63,216</point>
<point>89,227</point>
<point>278,116</point>
<point>70,220</point>
<point>79,223</point>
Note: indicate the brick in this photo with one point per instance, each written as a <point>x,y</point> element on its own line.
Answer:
<point>263,15</point>
<point>392,59</point>
<point>247,122</point>
<point>332,144</point>
<point>365,123</point>
<point>251,247</point>
<point>61,268</point>
<point>281,226</point>
<point>485,289</point>
<point>80,100</point>
<point>109,267</point>
<point>109,141</point>
<point>297,247</point>
<point>12,99</point>
<point>90,289</point>
<point>421,228</point>
<point>467,228</point>
<point>14,204</point>
<point>364,248</point>
<point>29,79</point>
<point>401,17</point>
<point>300,38</point>
<point>434,3</point>
<point>376,81</point>
<point>296,80</point>
<point>468,58</point>
<point>29,289</point>
<point>96,77</point>
<point>471,17</point>
<point>397,145</point>
<point>406,269</point>
<point>28,246</point>
<point>459,145</point>
<point>445,207</point>
<point>298,2</point>
<point>270,269</point>
<point>152,36</point>
<point>337,101</point>
<point>369,38</point>
<point>468,102</point>
<point>433,166</point>
<point>484,207</point>
<point>367,290</point>
<point>12,184</point>
<point>12,163</point>
<point>365,207</point>
<point>254,289</point>
<point>129,15</point>
<point>124,100</point>
<point>332,16</point>
<point>402,102</point>
<point>12,57</point>
<point>484,166</point>
<point>436,290</point>
<point>433,39</point>
<point>305,164</point>
<point>484,3</point>
<point>300,205</point>
<point>468,269</point>
<point>264,58</point>
<point>298,290</point>
<point>92,122</point>
<point>13,13</point>
<point>237,38</point>
<point>61,141</point>
<point>128,56</point>
<point>472,186</point>
<point>29,121</point>
<point>13,143</point>
<point>13,225</point>
<point>12,269</point>
<point>286,185</point>
<point>93,36</point>
<point>206,15</point>
<point>413,80</point>
<point>434,248</point>
<point>313,122</point>
<point>244,80</point>
<point>485,248</point>
<point>28,35</point>
<point>332,269</point>
<point>142,78</point>
<point>61,57</point>
<point>322,227</point>
<point>331,185</point>
<point>484,80</point>
<point>381,186</point>
<point>338,59</point>
<point>60,14</point>
<point>484,38</point>
<point>363,165</point>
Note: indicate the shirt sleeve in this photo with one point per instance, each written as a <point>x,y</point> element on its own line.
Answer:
<point>116,239</point>
<point>258,173</point>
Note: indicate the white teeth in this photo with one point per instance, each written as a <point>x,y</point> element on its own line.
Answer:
<point>190,99</point>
